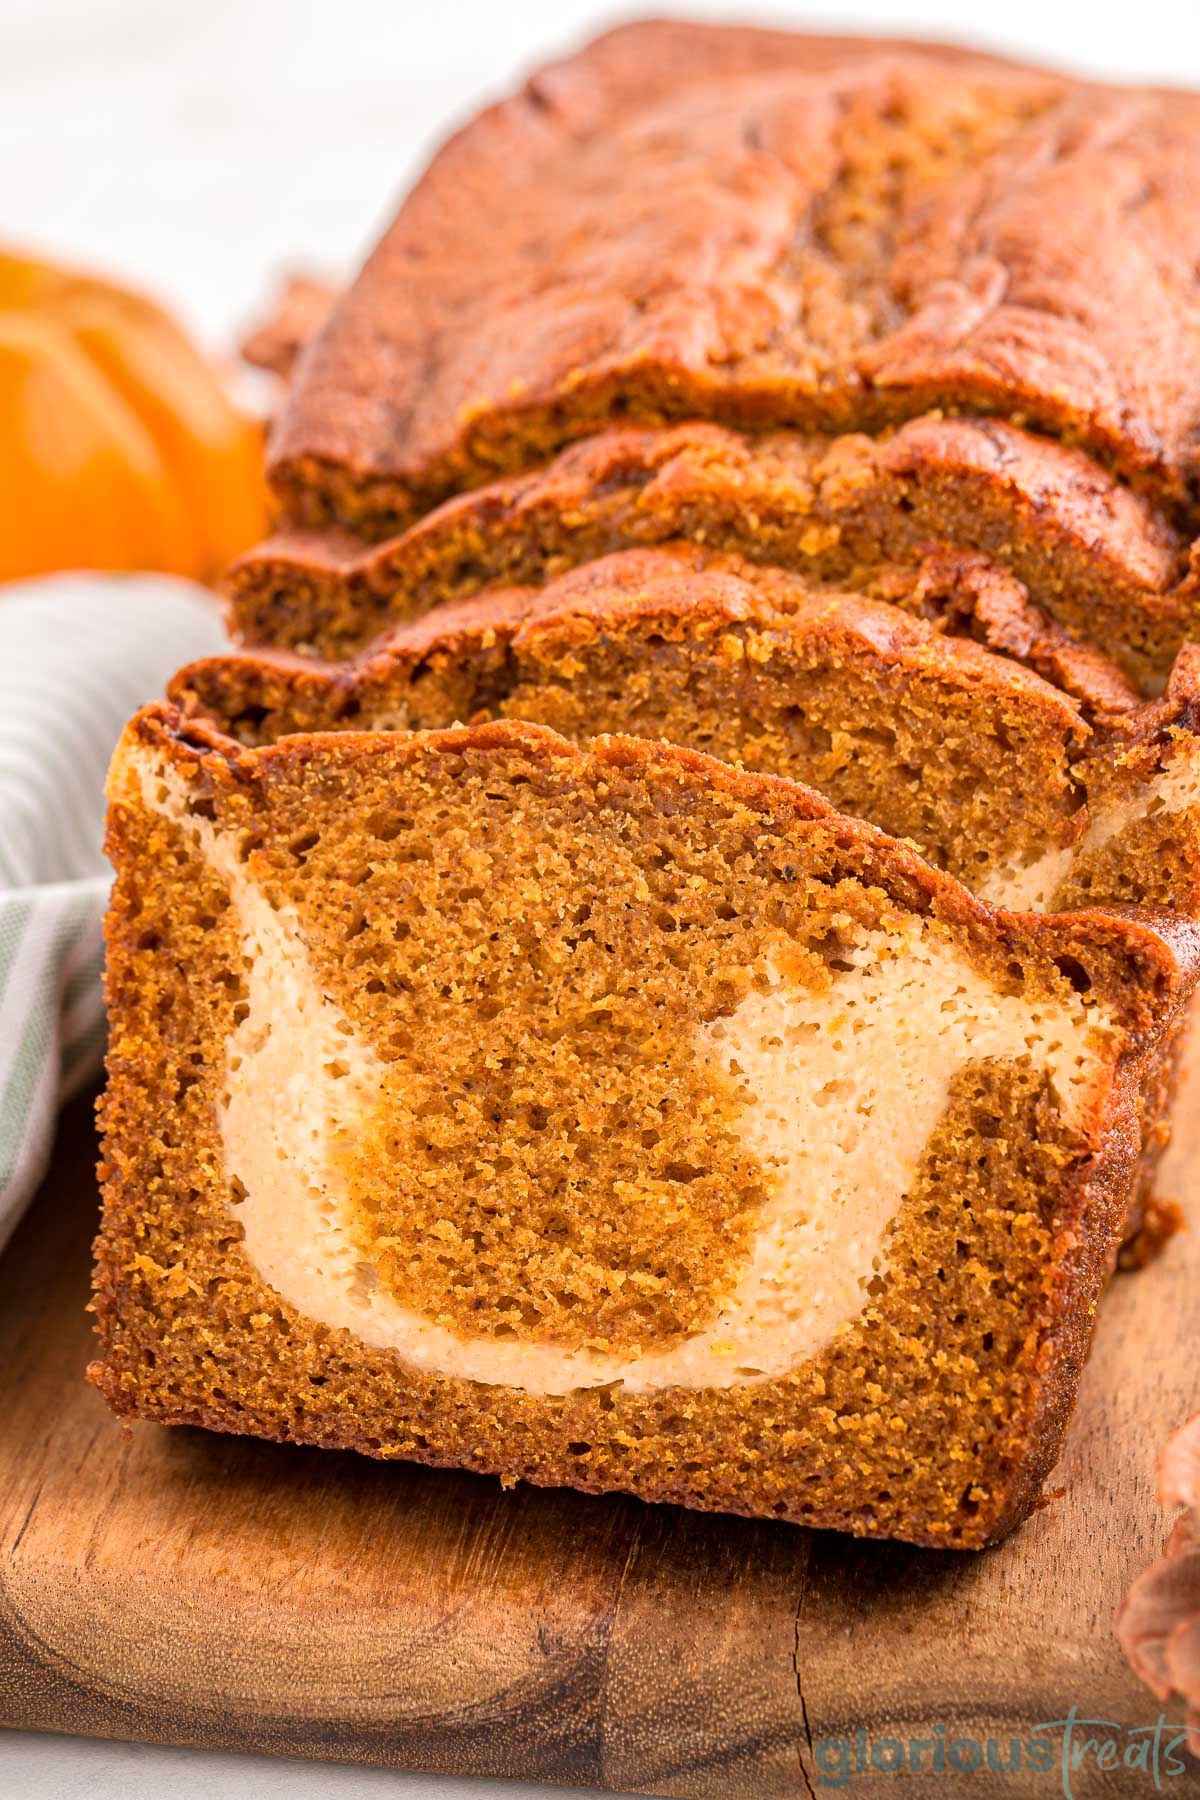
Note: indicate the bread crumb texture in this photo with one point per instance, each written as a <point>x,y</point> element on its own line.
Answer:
<point>610,1118</point>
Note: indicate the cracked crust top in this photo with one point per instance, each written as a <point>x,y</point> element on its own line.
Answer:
<point>750,227</point>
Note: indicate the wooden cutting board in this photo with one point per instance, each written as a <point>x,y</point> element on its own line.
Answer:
<point>182,1588</point>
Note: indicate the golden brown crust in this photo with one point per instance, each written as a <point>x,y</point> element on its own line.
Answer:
<point>692,584</point>
<point>982,762</point>
<point>836,244</point>
<point>1094,556</point>
<point>190,1334</point>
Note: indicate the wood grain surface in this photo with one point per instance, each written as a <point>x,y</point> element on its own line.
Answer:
<point>178,1587</point>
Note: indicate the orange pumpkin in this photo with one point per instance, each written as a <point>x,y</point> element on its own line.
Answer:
<point>119,448</point>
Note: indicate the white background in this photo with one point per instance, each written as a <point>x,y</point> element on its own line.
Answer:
<point>199,149</point>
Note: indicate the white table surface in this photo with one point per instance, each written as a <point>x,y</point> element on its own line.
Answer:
<point>199,147</point>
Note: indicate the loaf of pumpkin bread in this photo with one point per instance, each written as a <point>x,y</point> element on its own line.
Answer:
<point>609,1109</point>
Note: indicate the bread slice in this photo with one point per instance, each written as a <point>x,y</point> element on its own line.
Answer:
<point>605,1117</point>
<point>1035,796</point>
<point>766,232</point>
<point>1097,559</point>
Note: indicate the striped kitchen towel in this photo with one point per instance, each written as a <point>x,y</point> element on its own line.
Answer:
<point>78,655</point>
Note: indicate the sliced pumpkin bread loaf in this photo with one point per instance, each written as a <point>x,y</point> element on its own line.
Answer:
<point>608,1117</point>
